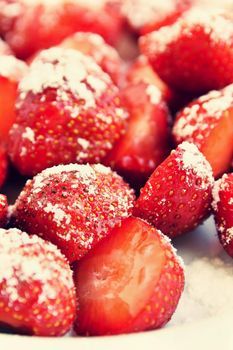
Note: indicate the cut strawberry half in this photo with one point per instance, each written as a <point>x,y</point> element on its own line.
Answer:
<point>37,293</point>
<point>146,142</point>
<point>223,210</point>
<point>195,54</point>
<point>208,123</point>
<point>177,196</point>
<point>11,72</point>
<point>131,282</point>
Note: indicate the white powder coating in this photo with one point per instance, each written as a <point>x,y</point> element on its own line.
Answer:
<point>193,160</point>
<point>141,12</point>
<point>29,135</point>
<point>66,70</point>
<point>12,68</point>
<point>59,215</point>
<point>219,185</point>
<point>30,259</point>
<point>193,120</point>
<point>154,94</point>
<point>2,199</point>
<point>228,236</point>
<point>215,25</point>
<point>208,291</point>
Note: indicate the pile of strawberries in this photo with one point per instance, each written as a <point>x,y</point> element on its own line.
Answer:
<point>120,157</point>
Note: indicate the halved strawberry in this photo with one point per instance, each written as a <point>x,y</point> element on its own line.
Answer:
<point>52,21</point>
<point>3,164</point>
<point>195,54</point>
<point>208,123</point>
<point>73,206</point>
<point>94,45</point>
<point>223,210</point>
<point>37,293</point>
<point>11,72</point>
<point>130,282</point>
<point>146,16</point>
<point>68,110</point>
<point>177,196</point>
<point>3,210</point>
<point>146,142</point>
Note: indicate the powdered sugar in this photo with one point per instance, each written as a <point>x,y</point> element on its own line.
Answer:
<point>218,186</point>
<point>59,214</point>
<point>29,135</point>
<point>229,236</point>
<point>12,68</point>
<point>154,94</point>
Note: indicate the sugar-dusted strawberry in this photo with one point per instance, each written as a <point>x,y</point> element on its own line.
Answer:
<point>3,210</point>
<point>37,293</point>
<point>146,16</point>
<point>134,280</point>
<point>223,210</point>
<point>4,48</point>
<point>68,110</point>
<point>94,45</point>
<point>208,123</point>
<point>73,206</point>
<point>195,54</point>
<point>146,142</point>
<point>3,164</point>
<point>11,72</point>
<point>177,196</point>
<point>52,21</point>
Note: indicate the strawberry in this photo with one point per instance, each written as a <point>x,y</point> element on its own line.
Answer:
<point>3,210</point>
<point>11,71</point>
<point>223,210</point>
<point>37,293</point>
<point>131,282</point>
<point>73,206</point>
<point>195,54</point>
<point>208,123</point>
<point>52,21</point>
<point>4,48</point>
<point>94,45</point>
<point>177,196</point>
<point>68,110</point>
<point>3,164</point>
<point>151,15</point>
<point>146,142</point>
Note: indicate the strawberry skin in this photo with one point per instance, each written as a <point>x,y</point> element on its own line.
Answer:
<point>208,123</point>
<point>3,210</point>
<point>73,206</point>
<point>3,165</point>
<point>68,111</point>
<point>94,45</point>
<point>37,293</point>
<point>131,282</point>
<point>195,54</point>
<point>223,209</point>
<point>146,142</point>
<point>177,196</point>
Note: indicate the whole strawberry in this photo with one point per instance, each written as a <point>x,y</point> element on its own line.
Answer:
<point>37,293</point>
<point>131,282</point>
<point>68,110</point>
<point>195,54</point>
<point>73,206</point>
<point>223,211</point>
<point>208,123</point>
<point>177,196</point>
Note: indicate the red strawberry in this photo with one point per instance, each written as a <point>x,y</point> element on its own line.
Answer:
<point>141,71</point>
<point>177,196</point>
<point>68,110</point>
<point>11,71</point>
<point>3,164</point>
<point>94,45</point>
<point>146,16</point>
<point>208,123</point>
<point>4,48</point>
<point>73,206</point>
<point>52,21</point>
<point>3,210</point>
<point>146,142</point>
<point>223,210</point>
<point>37,293</point>
<point>130,282</point>
<point>195,54</point>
